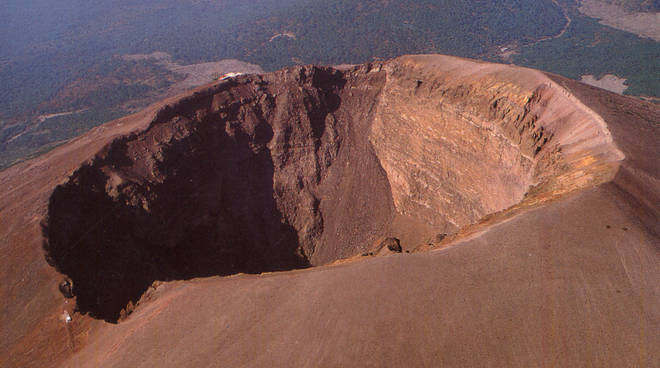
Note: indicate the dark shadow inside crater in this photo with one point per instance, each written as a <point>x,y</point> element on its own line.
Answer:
<point>214,214</point>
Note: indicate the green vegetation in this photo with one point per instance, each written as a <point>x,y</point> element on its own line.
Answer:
<point>109,96</point>
<point>69,41</point>
<point>348,31</point>
<point>591,48</point>
<point>65,57</point>
<point>25,141</point>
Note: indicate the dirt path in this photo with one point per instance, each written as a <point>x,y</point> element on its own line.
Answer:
<point>506,51</point>
<point>563,30</point>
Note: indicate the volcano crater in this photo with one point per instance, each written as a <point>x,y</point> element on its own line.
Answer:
<point>309,165</point>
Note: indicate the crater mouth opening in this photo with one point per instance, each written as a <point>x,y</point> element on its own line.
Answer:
<point>306,166</point>
<point>215,214</point>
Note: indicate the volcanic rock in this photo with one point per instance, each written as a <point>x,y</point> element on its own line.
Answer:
<point>66,288</point>
<point>310,165</point>
<point>392,244</point>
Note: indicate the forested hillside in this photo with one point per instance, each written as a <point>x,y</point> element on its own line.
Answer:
<point>67,56</point>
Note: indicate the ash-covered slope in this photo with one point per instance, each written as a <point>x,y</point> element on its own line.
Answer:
<point>309,165</point>
<point>570,284</point>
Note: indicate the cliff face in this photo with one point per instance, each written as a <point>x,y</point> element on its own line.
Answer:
<point>309,165</point>
<point>247,176</point>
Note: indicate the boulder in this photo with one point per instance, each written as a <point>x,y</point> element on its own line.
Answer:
<point>393,244</point>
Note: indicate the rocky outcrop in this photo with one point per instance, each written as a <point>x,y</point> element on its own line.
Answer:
<point>391,244</point>
<point>309,165</point>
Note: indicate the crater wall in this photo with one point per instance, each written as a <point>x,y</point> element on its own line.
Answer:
<point>308,165</point>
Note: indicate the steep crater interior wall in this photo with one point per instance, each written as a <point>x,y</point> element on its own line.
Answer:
<point>291,169</point>
<point>456,152</point>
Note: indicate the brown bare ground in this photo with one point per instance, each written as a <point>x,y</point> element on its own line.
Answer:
<point>641,24</point>
<point>196,74</point>
<point>552,259</point>
<point>609,82</point>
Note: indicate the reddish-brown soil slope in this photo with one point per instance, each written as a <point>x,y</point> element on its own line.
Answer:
<point>551,288</point>
<point>550,188</point>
